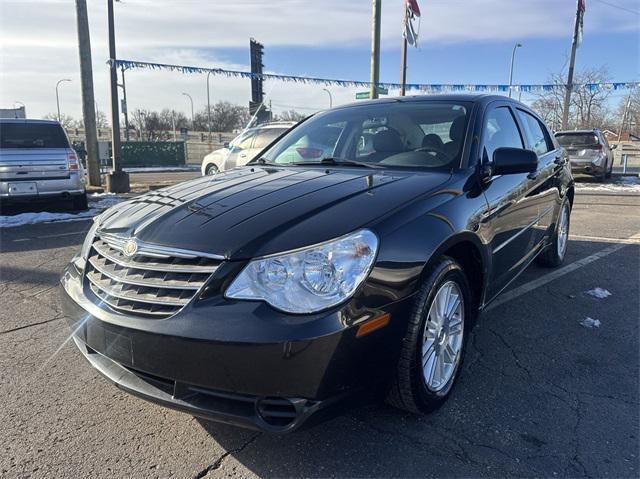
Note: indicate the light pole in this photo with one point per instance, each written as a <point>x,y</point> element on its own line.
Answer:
<point>208,107</point>
<point>58,97</point>
<point>330,97</point>
<point>513,56</point>
<point>191,100</point>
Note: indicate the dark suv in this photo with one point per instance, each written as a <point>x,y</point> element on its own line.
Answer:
<point>268,294</point>
<point>589,152</point>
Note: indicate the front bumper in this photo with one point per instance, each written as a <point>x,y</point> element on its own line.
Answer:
<point>260,374</point>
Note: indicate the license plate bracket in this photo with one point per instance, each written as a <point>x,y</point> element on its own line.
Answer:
<point>23,188</point>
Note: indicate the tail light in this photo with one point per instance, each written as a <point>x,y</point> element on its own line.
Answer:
<point>73,161</point>
<point>597,146</point>
<point>308,153</point>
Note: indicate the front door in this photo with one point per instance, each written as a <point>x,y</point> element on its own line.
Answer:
<point>508,224</point>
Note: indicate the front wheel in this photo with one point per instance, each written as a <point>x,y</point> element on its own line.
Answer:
<point>554,253</point>
<point>211,170</point>
<point>433,347</point>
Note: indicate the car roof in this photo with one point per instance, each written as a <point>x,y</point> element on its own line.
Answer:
<point>445,97</point>
<point>28,120</point>
<point>567,132</point>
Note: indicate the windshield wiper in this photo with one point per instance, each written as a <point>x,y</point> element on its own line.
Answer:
<point>336,162</point>
<point>261,161</point>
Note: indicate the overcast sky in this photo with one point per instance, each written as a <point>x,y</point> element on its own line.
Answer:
<point>460,42</point>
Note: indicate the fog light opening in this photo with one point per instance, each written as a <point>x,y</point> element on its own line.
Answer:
<point>277,412</point>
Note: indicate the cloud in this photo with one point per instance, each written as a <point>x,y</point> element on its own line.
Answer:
<point>39,44</point>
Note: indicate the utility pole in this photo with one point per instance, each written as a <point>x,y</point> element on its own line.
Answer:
<point>375,49</point>
<point>572,62</point>
<point>88,99</point>
<point>117,180</point>
<point>624,116</point>
<point>208,107</point>
<point>403,58</point>
<point>513,57</point>
<point>125,105</point>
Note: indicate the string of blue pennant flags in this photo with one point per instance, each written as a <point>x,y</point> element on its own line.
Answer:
<point>425,88</point>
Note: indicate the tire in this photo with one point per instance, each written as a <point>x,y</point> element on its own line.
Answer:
<point>610,171</point>
<point>409,389</point>
<point>601,177</point>
<point>553,255</point>
<point>80,202</point>
<point>211,170</point>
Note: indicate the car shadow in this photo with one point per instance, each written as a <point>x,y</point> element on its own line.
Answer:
<point>516,410</point>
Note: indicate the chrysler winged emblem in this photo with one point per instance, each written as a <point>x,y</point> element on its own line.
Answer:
<point>130,247</point>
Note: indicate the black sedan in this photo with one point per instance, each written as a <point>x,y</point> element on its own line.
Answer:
<point>274,293</point>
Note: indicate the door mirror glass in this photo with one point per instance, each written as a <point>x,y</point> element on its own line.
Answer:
<point>613,147</point>
<point>508,161</point>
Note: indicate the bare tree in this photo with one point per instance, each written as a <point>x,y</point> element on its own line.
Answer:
<point>588,108</point>
<point>225,116</point>
<point>67,121</point>
<point>632,118</point>
<point>290,115</point>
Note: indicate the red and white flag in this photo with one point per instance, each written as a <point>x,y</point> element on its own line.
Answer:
<point>582,6</point>
<point>412,12</point>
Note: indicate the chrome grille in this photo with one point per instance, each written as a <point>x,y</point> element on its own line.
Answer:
<point>156,282</point>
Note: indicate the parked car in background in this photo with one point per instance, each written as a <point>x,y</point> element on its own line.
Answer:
<point>589,152</point>
<point>37,162</point>
<point>244,147</point>
<point>287,288</point>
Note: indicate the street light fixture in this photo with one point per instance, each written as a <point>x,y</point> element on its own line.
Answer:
<point>330,97</point>
<point>58,97</point>
<point>513,56</point>
<point>191,100</point>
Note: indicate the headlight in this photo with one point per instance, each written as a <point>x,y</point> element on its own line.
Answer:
<point>310,279</point>
<point>88,240</point>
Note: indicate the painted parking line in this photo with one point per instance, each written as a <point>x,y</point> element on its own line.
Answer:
<point>601,239</point>
<point>72,233</point>
<point>547,278</point>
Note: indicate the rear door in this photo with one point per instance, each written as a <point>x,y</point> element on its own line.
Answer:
<point>550,162</point>
<point>262,139</point>
<point>507,225</point>
<point>33,151</point>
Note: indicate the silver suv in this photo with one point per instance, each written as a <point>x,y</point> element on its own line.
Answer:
<point>244,147</point>
<point>588,151</point>
<point>37,161</point>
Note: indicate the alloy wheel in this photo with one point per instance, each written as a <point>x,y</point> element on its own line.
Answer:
<point>563,230</point>
<point>442,337</point>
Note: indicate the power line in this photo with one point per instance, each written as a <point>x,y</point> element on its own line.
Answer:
<point>619,7</point>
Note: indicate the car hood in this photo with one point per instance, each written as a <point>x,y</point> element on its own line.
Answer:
<point>256,211</point>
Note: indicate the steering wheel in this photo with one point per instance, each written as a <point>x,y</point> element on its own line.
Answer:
<point>438,153</point>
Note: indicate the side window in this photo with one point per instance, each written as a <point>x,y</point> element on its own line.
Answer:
<point>267,136</point>
<point>534,132</point>
<point>246,142</point>
<point>500,130</point>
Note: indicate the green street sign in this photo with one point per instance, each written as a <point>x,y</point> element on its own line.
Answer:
<point>362,95</point>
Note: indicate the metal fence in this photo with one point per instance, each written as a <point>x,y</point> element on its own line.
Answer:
<point>627,158</point>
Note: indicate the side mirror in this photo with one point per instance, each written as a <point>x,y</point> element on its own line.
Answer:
<point>613,147</point>
<point>226,144</point>
<point>509,161</point>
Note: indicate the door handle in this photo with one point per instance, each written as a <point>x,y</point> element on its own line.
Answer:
<point>243,155</point>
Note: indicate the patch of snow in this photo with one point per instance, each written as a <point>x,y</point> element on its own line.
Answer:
<point>96,207</point>
<point>100,195</point>
<point>625,184</point>
<point>590,323</point>
<point>159,169</point>
<point>599,293</point>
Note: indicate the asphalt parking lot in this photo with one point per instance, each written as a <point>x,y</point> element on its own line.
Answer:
<point>541,394</point>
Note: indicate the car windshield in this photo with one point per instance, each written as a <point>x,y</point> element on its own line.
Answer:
<point>32,135</point>
<point>577,139</point>
<point>400,134</point>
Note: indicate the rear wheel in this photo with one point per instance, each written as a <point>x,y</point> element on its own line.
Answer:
<point>554,253</point>
<point>609,171</point>
<point>80,202</point>
<point>433,346</point>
